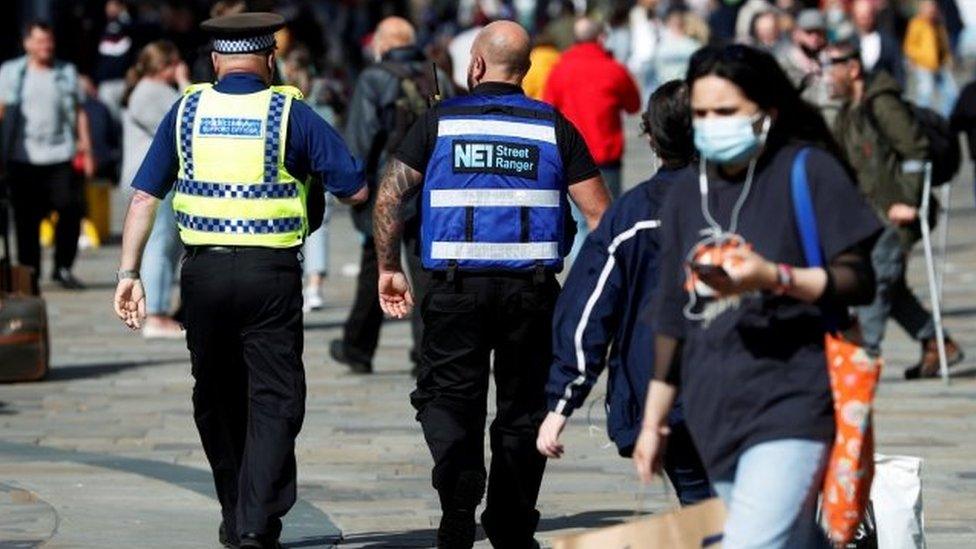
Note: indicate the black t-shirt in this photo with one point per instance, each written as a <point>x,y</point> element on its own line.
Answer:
<point>419,142</point>
<point>755,370</point>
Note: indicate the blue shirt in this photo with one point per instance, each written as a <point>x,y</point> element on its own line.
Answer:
<point>313,147</point>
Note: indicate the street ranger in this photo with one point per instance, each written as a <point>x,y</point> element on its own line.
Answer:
<point>493,235</point>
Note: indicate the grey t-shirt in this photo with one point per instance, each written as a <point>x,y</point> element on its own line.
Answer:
<point>45,134</point>
<point>148,104</point>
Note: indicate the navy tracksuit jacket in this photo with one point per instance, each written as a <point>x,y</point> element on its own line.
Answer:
<point>604,304</point>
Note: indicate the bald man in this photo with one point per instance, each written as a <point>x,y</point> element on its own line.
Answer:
<point>494,170</point>
<point>380,113</point>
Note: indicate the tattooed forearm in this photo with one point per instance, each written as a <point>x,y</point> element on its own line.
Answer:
<point>399,182</point>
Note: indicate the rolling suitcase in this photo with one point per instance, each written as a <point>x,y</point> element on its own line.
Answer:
<point>24,351</point>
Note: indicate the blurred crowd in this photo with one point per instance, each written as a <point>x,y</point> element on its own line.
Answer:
<point>119,64</point>
<point>873,87</point>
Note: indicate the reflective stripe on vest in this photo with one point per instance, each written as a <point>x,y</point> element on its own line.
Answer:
<point>494,194</point>
<point>233,187</point>
<point>486,251</point>
<point>494,197</point>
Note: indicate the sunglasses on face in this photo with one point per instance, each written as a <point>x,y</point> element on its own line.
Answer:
<point>837,60</point>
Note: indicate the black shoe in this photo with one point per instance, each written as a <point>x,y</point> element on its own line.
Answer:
<point>456,530</point>
<point>506,532</point>
<point>258,541</point>
<point>337,350</point>
<point>224,537</point>
<point>67,280</point>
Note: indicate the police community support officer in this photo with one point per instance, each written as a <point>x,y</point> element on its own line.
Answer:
<point>494,168</point>
<point>242,155</point>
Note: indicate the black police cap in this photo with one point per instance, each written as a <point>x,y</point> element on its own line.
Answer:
<point>243,32</point>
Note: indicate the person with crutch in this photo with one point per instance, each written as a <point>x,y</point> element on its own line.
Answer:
<point>886,146</point>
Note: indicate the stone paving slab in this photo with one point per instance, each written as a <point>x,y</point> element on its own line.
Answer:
<point>115,399</point>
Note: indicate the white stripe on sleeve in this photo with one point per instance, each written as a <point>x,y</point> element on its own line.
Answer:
<point>591,303</point>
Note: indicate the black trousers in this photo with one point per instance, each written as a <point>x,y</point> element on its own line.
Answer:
<point>243,316</point>
<point>465,321</point>
<point>37,190</point>
<point>361,332</point>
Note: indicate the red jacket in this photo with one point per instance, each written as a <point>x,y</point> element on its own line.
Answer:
<point>590,88</point>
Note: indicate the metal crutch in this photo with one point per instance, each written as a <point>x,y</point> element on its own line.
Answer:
<point>934,294</point>
<point>945,199</point>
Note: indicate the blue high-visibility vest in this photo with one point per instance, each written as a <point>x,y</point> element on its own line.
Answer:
<point>494,194</point>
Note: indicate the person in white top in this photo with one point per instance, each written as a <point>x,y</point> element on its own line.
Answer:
<point>879,50</point>
<point>645,33</point>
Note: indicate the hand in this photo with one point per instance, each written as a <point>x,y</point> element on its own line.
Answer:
<point>395,298</point>
<point>902,214</point>
<point>88,164</point>
<point>747,270</point>
<point>548,440</point>
<point>649,451</point>
<point>130,302</point>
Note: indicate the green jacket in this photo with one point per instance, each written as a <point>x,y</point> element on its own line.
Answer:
<point>879,134</point>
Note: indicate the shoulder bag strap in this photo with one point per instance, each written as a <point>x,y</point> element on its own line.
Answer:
<point>806,219</point>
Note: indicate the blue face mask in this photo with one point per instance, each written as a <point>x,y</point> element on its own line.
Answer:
<point>729,139</point>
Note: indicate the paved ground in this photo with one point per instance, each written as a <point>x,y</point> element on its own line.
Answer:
<point>104,453</point>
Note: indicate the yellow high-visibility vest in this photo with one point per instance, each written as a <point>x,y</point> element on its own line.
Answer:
<point>233,188</point>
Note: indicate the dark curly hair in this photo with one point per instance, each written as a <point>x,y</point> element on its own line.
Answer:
<point>668,121</point>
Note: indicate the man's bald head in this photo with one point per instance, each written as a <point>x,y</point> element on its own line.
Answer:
<point>587,30</point>
<point>392,33</point>
<point>500,53</point>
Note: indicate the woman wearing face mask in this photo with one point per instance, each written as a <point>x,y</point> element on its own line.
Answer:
<point>739,313</point>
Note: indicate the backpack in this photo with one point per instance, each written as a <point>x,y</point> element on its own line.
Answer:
<point>417,87</point>
<point>943,150</point>
<point>943,144</point>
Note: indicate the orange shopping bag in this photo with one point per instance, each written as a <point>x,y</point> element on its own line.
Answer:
<point>853,379</point>
<point>847,483</point>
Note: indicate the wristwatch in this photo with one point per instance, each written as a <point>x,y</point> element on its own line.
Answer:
<point>123,274</point>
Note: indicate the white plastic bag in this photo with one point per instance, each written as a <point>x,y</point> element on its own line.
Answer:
<point>896,494</point>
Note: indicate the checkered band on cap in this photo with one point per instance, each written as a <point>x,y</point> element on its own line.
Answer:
<point>244,45</point>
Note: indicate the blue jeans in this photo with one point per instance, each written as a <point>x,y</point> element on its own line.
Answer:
<point>893,297</point>
<point>160,259</point>
<point>316,248</point>
<point>683,466</point>
<point>772,497</point>
<point>926,83</point>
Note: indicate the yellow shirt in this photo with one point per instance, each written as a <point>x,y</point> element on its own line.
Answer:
<point>926,44</point>
<point>543,59</point>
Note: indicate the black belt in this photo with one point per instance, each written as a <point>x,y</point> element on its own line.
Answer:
<point>197,250</point>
